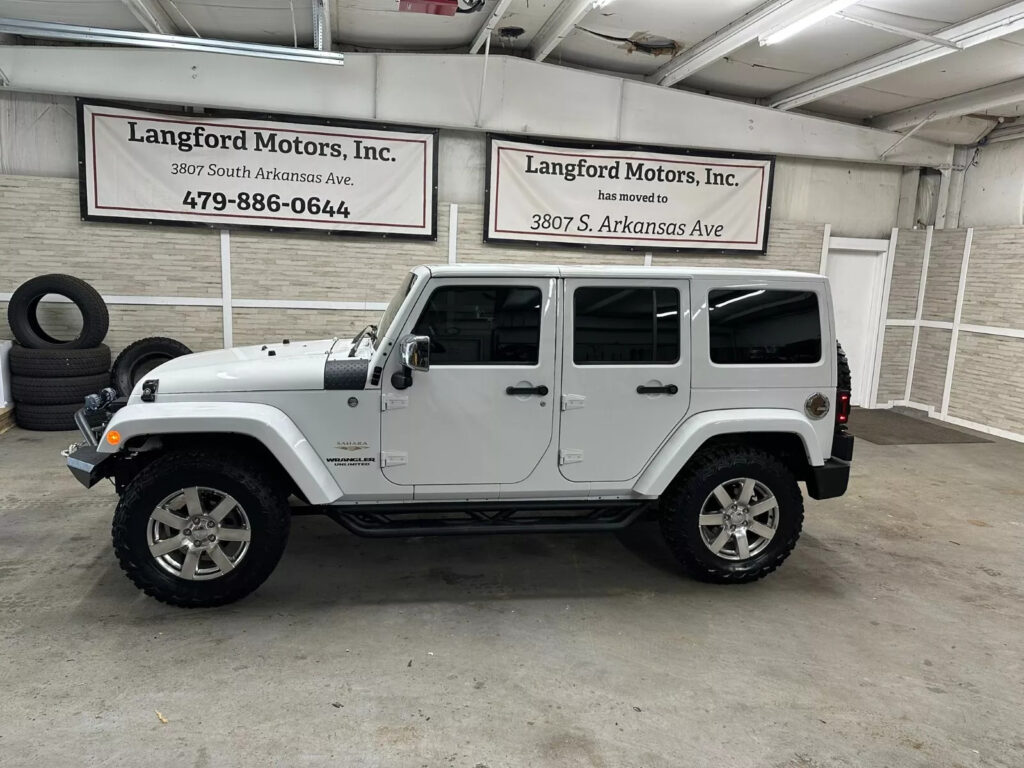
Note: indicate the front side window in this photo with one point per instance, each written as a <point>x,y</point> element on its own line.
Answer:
<point>625,326</point>
<point>482,325</point>
<point>764,327</point>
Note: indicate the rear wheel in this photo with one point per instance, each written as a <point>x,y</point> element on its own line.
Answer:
<point>733,516</point>
<point>197,529</point>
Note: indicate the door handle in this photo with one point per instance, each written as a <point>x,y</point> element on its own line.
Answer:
<point>668,389</point>
<point>541,390</point>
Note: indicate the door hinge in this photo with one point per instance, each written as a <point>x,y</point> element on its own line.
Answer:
<point>572,402</point>
<point>394,458</point>
<point>392,402</point>
<point>570,456</point>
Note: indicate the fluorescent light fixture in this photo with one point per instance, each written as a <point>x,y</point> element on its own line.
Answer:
<point>598,4</point>
<point>53,31</point>
<point>812,18</point>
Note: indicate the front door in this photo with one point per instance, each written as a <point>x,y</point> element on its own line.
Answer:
<point>484,412</point>
<point>625,374</point>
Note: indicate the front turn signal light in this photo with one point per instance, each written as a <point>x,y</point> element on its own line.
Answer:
<point>114,437</point>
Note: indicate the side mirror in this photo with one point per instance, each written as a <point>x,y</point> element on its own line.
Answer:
<point>416,352</point>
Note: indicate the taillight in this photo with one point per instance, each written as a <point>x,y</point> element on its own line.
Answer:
<point>843,408</point>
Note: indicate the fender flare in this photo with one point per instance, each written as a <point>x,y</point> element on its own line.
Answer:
<point>265,423</point>
<point>701,427</point>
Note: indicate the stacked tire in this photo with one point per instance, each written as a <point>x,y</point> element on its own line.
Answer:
<point>50,377</point>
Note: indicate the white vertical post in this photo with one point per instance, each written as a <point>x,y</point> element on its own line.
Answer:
<point>453,233</point>
<point>883,316</point>
<point>943,201</point>
<point>951,362</point>
<point>225,287</point>
<point>825,239</point>
<point>920,310</point>
<point>648,259</point>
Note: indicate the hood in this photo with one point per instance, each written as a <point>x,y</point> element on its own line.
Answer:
<point>266,367</point>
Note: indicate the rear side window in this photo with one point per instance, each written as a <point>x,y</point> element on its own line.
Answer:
<point>625,326</point>
<point>765,327</point>
<point>482,325</point>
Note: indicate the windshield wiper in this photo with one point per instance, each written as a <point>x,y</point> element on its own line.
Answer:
<point>370,330</point>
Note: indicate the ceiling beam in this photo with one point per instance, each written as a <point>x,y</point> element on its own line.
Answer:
<point>1010,92</point>
<point>489,25</point>
<point>1003,21</point>
<point>764,18</point>
<point>322,32</point>
<point>152,17</point>
<point>522,97</point>
<point>559,24</point>
<point>867,20</point>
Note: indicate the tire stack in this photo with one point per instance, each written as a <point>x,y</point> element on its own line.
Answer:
<point>50,377</point>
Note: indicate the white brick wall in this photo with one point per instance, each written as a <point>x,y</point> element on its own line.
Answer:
<point>988,381</point>
<point>995,278</point>
<point>988,373</point>
<point>944,263</point>
<point>906,274</point>
<point>930,366</point>
<point>892,380</point>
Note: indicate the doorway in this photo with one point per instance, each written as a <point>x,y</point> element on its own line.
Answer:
<point>856,270</point>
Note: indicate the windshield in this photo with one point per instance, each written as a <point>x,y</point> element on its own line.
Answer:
<point>393,306</point>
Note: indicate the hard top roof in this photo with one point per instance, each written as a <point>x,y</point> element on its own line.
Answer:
<point>621,272</point>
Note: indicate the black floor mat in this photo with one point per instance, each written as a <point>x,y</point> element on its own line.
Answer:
<point>884,426</point>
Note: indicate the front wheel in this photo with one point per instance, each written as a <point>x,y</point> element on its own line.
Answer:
<point>197,529</point>
<point>733,516</point>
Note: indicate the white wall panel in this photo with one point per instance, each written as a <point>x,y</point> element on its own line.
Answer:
<point>994,187</point>
<point>37,135</point>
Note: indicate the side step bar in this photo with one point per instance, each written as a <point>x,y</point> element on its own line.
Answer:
<point>443,519</point>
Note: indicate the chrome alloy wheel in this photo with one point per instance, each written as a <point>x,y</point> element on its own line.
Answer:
<point>739,518</point>
<point>198,533</point>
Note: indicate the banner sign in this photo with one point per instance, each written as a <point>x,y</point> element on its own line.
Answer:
<point>226,171</point>
<point>632,198</point>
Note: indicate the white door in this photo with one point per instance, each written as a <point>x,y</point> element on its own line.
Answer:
<point>625,374</point>
<point>857,278</point>
<point>483,413</point>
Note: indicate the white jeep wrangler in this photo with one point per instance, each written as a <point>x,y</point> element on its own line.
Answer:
<point>490,399</point>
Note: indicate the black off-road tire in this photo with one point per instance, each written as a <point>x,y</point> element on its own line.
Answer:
<point>28,390</point>
<point>844,379</point>
<point>265,503</point>
<point>21,312</point>
<point>46,363</point>
<point>46,418</point>
<point>681,506</point>
<point>140,357</point>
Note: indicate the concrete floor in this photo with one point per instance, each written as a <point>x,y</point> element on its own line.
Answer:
<point>892,637</point>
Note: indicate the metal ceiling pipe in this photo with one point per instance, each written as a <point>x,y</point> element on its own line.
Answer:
<point>53,31</point>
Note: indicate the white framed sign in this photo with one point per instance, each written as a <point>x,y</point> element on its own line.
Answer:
<point>228,170</point>
<point>626,197</point>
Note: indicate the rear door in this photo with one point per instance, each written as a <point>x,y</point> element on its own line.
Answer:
<point>626,374</point>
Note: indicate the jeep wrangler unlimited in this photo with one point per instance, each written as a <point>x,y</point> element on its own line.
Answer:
<point>490,399</point>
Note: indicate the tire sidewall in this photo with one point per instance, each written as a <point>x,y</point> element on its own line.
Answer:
<point>24,322</point>
<point>771,474</point>
<point>263,507</point>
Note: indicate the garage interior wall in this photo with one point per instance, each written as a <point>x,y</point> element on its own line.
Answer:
<point>954,336</point>
<point>198,285</point>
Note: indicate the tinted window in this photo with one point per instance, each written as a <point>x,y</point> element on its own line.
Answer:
<point>764,326</point>
<point>478,324</point>
<point>625,326</point>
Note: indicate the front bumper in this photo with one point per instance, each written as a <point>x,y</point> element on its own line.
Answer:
<point>89,466</point>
